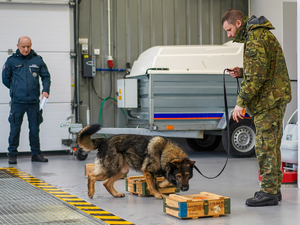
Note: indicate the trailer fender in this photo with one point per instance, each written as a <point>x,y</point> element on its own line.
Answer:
<point>223,123</point>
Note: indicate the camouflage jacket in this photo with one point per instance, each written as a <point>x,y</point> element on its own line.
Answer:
<point>266,82</point>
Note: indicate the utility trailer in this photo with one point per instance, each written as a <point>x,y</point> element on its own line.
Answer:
<point>177,91</point>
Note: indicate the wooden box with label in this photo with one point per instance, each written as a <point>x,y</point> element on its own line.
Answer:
<point>195,206</point>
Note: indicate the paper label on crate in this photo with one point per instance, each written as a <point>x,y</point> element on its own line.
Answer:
<point>217,209</point>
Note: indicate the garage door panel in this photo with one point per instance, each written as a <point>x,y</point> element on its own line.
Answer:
<point>49,28</point>
<point>59,68</point>
<point>4,92</point>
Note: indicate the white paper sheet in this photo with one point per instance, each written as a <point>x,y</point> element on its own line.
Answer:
<point>43,103</point>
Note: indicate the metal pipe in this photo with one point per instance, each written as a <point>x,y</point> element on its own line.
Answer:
<point>200,21</point>
<point>151,102</point>
<point>109,57</point>
<point>249,8</point>
<point>211,6</point>
<point>102,69</point>
<point>88,116</point>
<point>76,64</point>
<point>108,27</point>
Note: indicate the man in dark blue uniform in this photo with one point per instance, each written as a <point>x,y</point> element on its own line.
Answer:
<point>21,73</point>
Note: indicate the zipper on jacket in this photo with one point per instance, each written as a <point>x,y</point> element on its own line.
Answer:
<point>26,68</point>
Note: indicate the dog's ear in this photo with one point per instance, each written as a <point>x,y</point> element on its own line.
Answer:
<point>172,166</point>
<point>192,163</point>
<point>177,160</point>
<point>174,163</point>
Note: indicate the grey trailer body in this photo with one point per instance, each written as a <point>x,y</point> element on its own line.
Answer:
<point>177,102</point>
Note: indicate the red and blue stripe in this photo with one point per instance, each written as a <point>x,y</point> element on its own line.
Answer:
<point>190,116</point>
<point>187,116</point>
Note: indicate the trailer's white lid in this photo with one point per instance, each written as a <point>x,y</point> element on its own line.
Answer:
<point>189,59</point>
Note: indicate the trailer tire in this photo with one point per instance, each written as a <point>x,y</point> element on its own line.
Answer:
<point>242,138</point>
<point>208,143</point>
<point>80,154</point>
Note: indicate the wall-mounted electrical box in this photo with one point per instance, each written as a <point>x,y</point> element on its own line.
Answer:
<point>84,45</point>
<point>127,93</point>
<point>88,65</point>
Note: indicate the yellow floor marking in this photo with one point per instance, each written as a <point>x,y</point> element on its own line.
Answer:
<point>70,199</point>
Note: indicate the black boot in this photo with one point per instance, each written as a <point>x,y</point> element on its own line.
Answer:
<point>279,195</point>
<point>262,199</point>
<point>12,159</point>
<point>38,158</point>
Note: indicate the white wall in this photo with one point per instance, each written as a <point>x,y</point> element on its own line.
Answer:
<point>272,10</point>
<point>298,76</point>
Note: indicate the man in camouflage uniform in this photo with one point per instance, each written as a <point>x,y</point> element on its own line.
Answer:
<point>265,91</point>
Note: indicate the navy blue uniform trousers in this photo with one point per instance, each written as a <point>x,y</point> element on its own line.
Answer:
<point>15,119</point>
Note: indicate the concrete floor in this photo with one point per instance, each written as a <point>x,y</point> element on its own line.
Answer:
<point>239,181</point>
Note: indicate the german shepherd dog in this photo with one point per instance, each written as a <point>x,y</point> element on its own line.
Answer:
<point>153,155</point>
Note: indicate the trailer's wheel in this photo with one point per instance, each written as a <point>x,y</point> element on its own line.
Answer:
<point>80,154</point>
<point>208,143</point>
<point>242,138</point>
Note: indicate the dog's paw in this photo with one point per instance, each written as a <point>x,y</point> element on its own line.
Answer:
<point>119,195</point>
<point>163,184</point>
<point>91,194</point>
<point>158,195</point>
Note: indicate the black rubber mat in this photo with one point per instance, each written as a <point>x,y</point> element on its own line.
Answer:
<point>27,200</point>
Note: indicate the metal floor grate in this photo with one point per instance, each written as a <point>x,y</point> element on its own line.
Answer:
<point>24,203</point>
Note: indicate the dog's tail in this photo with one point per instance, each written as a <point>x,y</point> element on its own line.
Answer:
<point>84,137</point>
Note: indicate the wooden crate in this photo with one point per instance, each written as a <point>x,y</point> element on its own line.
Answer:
<point>195,206</point>
<point>89,168</point>
<point>137,185</point>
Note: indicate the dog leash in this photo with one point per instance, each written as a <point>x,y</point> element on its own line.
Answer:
<point>227,121</point>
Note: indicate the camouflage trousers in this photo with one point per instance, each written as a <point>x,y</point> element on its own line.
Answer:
<point>268,126</point>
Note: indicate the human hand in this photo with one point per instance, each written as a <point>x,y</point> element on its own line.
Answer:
<point>238,112</point>
<point>45,94</point>
<point>235,72</point>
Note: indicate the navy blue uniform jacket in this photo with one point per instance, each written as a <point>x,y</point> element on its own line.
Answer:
<point>21,75</point>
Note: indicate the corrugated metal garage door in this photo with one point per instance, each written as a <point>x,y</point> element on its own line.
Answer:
<point>48,26</point>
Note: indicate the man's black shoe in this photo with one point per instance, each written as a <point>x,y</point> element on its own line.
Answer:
<point>12,159</point>
<point>279,195</point>
<point>262,199</point>
<point>38,158</point>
